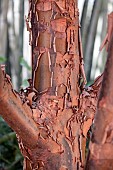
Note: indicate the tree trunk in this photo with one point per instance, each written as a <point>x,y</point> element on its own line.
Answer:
<point>84,23</point>
<point>55,50</point>
<point>16,43</point>
<point>91,37</point>
<point>3,27</point>
<point>84,15</point>
<point>20,38</point>
<point>103,55</point>
<point>55,112</point>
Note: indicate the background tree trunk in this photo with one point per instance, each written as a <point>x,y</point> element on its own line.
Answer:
<point>91,37</point>
<point>84,15</point>
<point>16,44</point>
<point>3,27</point>
<point>103,55</point>
<point>20,38</point>
<point>84,23</point>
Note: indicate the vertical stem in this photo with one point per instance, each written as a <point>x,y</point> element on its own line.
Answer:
<point>55,47</point>
<point>20,37</point>
<point>91,37</point>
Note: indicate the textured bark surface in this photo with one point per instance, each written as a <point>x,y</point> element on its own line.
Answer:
<point>59,110</point>
<point>56,68</point>
<point>56,111</point>
<point>51,143</point>
<point>17,114</point>
<point>101,145</point>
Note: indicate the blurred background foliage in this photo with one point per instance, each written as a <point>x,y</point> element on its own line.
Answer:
<point>15,54</point>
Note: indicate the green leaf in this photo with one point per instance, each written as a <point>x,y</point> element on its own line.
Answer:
<point>2,59</point>
<point>24,63</point>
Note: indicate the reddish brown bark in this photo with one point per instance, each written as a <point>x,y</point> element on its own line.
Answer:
<point>45,143</point>
<point>17,115</point>
<point>57,66</point>
<point>57,112</point>
<point>108,36</point>
<point>56,51</point>
<point>100,151</point>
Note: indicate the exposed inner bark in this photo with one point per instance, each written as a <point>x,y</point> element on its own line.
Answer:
<point>57,111</point>
<point>58,108</point>
<point>56,67</point>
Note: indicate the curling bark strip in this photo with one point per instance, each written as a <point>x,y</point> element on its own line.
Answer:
<point>56,114</point>
<point>101,145</point>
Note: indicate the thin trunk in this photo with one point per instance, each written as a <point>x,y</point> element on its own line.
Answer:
<point>91,37</point>
<point>101,60</point>
<point>84,24</point>
<point>0,8</point>
<point>13,45</point>
<point>84,15</point>
<point>20,38</point>
<point>16,43</point>
<point>8,63</point>
<point>3,27</point>
<point>100,151</point>
<point>103,34</point>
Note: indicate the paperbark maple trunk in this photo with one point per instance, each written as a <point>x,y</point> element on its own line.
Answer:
<point>53,115</point>
<point>56,75</point>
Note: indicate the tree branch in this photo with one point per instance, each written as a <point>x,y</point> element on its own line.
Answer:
<point>16,114</point>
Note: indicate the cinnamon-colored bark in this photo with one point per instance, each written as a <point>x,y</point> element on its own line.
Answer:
<point>16,114</point>
<point>45,148</point>
<point>56,63</point>
<point>108,36</point>
<point>54,114</point>
<point>100,151</point>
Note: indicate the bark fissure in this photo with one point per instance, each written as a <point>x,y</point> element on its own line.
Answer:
<point>54,114</point>
<point>57,67</point>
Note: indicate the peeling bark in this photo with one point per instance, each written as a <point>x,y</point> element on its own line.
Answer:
<point>54,114</point>
<point>56,51</point>
<point>16,114</point>
<point>100,150</point>
<point>57,62</point>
